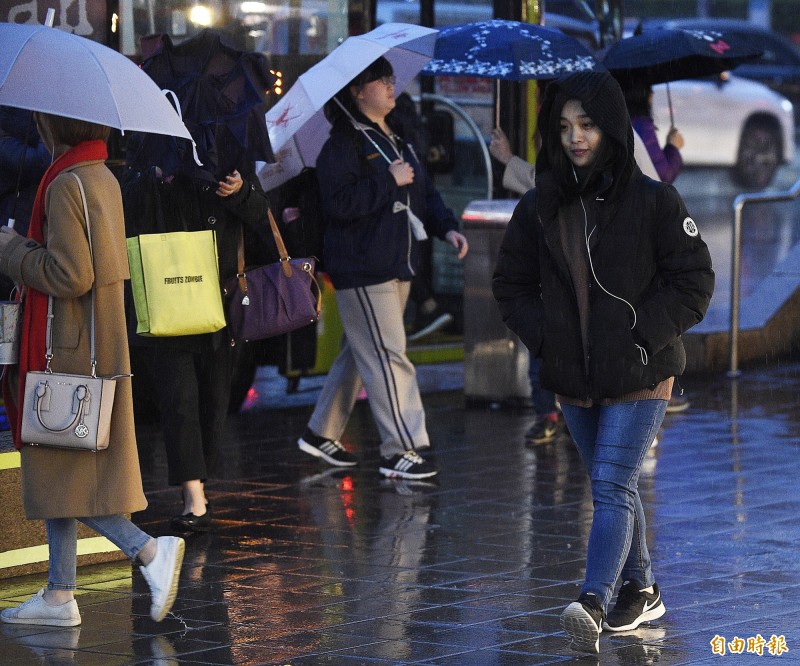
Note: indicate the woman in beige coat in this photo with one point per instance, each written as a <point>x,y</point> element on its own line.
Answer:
<point>62,486</point>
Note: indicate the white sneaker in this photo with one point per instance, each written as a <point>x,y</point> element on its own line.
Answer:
<point>162,575</point>
<point>37,611</point>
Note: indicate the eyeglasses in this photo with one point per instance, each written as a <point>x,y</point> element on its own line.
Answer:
<point>387,80</point>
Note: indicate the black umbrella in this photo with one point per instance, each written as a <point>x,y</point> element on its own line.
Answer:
<point>222,94</point>
<point>663,55</point>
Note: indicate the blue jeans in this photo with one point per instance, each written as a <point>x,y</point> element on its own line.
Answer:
<point>62,538</point>
<point>612,442</point>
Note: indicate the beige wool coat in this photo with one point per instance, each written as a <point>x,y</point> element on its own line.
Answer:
<point>73,484</point>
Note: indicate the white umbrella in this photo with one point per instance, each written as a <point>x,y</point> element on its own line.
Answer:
<point>408,47</point>
<point>52,71</point>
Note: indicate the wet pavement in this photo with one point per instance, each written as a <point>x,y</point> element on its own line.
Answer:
<point>312,566</point>
<point>308,565</point>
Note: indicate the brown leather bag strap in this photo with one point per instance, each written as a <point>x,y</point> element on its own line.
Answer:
<point>240,262</point>
<point>287,267</point>
<point>284,255</point>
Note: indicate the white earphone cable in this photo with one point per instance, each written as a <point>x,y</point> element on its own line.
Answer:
<point>587,234</point>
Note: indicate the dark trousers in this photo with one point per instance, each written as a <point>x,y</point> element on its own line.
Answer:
<point>422,282</point>
<point>193,392</point>
<point>544,401</point>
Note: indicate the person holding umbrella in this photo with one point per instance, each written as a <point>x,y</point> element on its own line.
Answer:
<point>667,160</point>
<point>600,272</point>
<point>379,204</point>
<point>56,261</point>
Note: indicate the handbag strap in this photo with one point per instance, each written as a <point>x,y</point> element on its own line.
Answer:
<point>284,255</point>
<point>276,233</point>
<point>49,334</point>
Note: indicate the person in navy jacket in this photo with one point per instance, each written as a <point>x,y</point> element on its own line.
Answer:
<point>379,204</point>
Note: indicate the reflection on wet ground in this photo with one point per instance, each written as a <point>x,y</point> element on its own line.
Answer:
<point>309,565</point>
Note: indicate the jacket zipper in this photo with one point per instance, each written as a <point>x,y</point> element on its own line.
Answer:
<point>399,154</point>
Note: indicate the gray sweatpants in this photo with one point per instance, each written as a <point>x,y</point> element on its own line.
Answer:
<point>373,355</point>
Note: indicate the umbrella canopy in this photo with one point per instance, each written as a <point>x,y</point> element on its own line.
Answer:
<point>48,70</point>
<point>507,50</point>
<point>663,55</point>
<point>407,47</point>
<point>222,94</point>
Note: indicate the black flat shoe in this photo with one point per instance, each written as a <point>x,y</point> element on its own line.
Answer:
<point>188,522</point>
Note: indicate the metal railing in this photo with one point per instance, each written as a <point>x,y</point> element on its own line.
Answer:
<point>473,127</point>
<point>738,206</point>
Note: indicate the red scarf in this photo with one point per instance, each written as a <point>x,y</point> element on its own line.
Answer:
<point>34,313</point>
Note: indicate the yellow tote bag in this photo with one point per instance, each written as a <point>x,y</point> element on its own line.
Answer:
<point>176,286</point>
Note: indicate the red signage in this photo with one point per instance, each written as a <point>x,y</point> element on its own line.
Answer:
<point>462,85</point>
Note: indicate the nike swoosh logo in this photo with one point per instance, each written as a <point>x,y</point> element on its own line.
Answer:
<point>648,607</point>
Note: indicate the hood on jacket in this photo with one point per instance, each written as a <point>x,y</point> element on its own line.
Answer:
<point>603,100</point>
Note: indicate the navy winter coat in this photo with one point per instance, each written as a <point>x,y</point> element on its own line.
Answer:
<point>368,241</point>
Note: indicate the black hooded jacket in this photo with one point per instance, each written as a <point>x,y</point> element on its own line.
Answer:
<point>650,276</point>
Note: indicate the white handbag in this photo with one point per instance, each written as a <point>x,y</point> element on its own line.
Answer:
<point>65,410</point>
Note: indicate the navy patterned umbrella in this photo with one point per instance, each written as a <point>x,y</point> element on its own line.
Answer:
<point>507,50</point>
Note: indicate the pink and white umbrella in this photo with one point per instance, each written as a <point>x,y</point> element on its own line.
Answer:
<point>297,125</point>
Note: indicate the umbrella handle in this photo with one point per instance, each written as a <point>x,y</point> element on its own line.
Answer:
<point>669,103</point>
<point>497,104</point>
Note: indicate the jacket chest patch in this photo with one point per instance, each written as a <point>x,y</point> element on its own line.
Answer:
<point>690,227</point>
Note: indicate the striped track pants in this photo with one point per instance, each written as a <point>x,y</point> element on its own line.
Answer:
<point>373,355</point>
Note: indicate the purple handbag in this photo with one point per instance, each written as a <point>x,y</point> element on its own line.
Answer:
<point>274,299</point>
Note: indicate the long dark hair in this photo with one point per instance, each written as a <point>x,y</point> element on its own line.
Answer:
<point>374,71</point>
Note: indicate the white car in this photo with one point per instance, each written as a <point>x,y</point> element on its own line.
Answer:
<point>729,122</point>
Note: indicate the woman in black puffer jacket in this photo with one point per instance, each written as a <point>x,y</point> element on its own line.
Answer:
<point>600,272</point>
